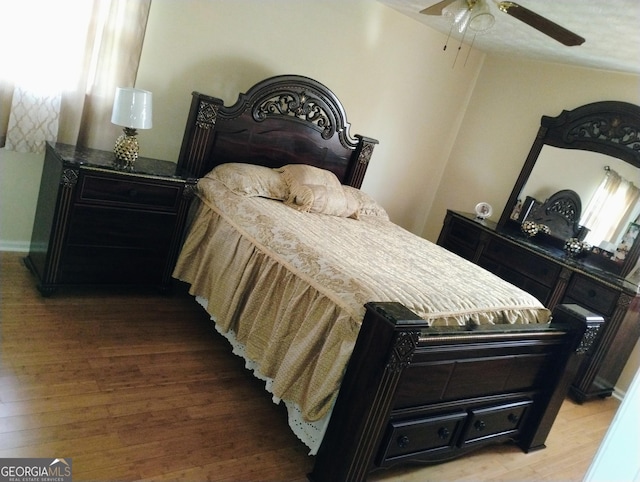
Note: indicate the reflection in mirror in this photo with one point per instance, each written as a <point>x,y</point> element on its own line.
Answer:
<point>557,169</point>
<point>561,159</point>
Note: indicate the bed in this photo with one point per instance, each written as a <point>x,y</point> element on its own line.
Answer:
<point>384,347</point>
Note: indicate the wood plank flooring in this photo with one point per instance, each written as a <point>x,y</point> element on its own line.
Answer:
<point>135,386</point>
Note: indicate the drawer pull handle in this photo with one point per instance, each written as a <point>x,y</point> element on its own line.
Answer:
<point>480,425</point>
<point>591,293</point>
<point>444,433</point>
<point>403,441</point>
<point>513,418</point>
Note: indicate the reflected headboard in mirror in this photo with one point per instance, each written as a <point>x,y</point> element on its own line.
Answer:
<point>592,138</point>
<point>560,214</point>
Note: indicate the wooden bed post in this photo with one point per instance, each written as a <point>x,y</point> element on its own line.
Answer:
<point>363,154</point>
<point>388,337</point>
<point>199,133</point>
<point>584,326</point>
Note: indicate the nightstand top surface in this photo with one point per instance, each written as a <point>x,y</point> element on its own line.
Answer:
<point>85,156</point>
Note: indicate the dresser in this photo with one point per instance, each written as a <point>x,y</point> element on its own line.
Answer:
<point>551,276</point>
<point>98,224</point>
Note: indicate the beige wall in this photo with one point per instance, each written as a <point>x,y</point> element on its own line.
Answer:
<point>501,123</point>
<point>19,185</point>
<point>389,71</point>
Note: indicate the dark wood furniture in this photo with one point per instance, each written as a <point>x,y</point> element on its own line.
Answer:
<point>410,392</point>
<point>553,277</point>
<point>100,225</point>
<point>610,132</point>
<point>423,395</point>
<point>287,119</point>
<point>610,129</point>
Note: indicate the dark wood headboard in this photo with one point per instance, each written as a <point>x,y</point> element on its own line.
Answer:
<point>287,119</point>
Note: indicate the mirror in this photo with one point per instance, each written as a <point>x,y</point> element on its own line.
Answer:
<point>582,172</point>
<point>571,152</point>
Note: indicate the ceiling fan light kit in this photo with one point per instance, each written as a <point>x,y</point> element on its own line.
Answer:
<point>476,15</point>
<point>472,14</point>
<point>481,19</point>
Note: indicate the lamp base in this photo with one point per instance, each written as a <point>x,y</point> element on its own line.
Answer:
<point>127,148</point>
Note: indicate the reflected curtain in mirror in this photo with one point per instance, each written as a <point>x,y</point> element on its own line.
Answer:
<point>613,201</point>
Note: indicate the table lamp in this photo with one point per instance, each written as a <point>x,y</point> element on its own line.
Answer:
<point>132,110</point>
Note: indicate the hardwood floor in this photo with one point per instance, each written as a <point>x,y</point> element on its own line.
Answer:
<point>133,385</point>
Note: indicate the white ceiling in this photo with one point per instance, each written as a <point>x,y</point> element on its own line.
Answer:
<point>611,29</point>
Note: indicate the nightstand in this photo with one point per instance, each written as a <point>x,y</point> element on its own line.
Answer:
<point>97,224</point>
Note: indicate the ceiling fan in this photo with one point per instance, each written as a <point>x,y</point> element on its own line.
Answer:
<point>475,14</point>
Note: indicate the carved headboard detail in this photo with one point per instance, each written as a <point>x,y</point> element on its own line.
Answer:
<point>282,120</point>
<point>561,214</point>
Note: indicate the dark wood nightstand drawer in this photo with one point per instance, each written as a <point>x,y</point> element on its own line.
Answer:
<point>104,265</point>
<point>591,294</point>
<point>116,227</point>
<point>518,259</point>
<point>151,194</point>
<point>422,435</point>
<point>493,422</point>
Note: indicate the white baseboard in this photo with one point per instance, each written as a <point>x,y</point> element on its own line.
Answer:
<point>14,246</point>
<point>618,394</point>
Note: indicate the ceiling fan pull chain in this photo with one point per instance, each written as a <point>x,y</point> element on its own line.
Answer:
<point>448,37</point>
<point>469,51</point>
<point>464,33</point>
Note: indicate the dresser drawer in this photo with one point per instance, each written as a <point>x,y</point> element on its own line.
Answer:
<point>537,268</point>
<point>462,238</point>
<point>540,291</point>
<point>122,191</point>
<point>591,294</point>
<point>422,435</point>
<point>494,422</point>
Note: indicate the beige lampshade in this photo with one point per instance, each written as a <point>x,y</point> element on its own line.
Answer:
<point>132,108</point>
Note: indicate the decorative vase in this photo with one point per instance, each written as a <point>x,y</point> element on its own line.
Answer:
<point>530,228</point>
<point>126,148</point>
<point>574,247</point>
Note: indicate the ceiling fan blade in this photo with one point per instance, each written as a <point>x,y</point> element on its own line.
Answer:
<point>542,24</point>
<point>436,8</point>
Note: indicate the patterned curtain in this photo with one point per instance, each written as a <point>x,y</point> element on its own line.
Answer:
<point>33,120</point>
<point>59,84</point>
<point>614,201</point>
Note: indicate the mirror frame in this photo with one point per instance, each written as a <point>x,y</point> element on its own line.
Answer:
<point>608,127</point>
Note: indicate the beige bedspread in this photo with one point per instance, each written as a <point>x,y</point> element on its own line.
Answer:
<point>292,285</point>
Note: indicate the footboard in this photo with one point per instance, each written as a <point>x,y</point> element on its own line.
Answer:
<point>420,394</point>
